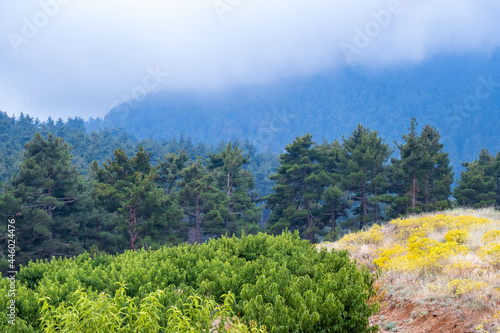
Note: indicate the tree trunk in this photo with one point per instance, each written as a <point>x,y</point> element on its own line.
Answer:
<point>413,192</point>
<point>50,208</point>
<point>198,229</point>
<point>309,220</point>
<point>228,193</point>
<point>132,227</point>
<point>334,221</point>
<point>427,192</point>
<point>363,204</point>
<point>376,206</point>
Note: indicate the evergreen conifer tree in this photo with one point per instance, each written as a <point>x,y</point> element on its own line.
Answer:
<point>237,184</point>
<point>128,187</point>
<point>47,192</point>
<point>299,186</point>
<point>478,184</point>
<point>201,200</point>
<point>366,156</point>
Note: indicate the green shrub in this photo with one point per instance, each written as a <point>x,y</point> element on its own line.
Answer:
<point>279,282</point>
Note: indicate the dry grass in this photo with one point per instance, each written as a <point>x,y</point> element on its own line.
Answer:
<point>422,266</point>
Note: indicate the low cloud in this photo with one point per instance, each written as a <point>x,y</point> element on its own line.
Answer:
<point>66,57</point>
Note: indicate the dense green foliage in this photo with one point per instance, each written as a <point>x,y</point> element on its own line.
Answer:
<point>101,144</point>
<point>321,191</point>
<point>479,183</point>
<point>422,176</point>
<point>127,203</point>
<point>280,282</point>
<point>49,197</point>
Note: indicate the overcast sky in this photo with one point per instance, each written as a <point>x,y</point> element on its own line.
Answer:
<point>80,57</point>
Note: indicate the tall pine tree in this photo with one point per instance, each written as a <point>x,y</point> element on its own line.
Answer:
<point>366,158</point>
<point>240,212</point>
<point>201,200</point>
<point>128,186</point>
<point>47,193</point>
<point>437,172</point>
<point>299,186</point>
<point>423,171</point>
<point>478,184</point>
<point>334,202</point>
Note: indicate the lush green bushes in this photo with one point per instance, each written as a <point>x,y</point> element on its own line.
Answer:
<point>279,282</point>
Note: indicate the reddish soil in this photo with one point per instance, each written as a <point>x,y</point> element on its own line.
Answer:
<point>411,318</point>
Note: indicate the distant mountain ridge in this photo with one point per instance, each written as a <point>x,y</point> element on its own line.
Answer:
<point>459,95</point>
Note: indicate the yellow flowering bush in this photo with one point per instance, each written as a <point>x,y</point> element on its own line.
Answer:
<point>449,256</point>
<point>422,254</point>
<point>426,224</point>
<point>373,236</point>
<point>416,252</point>
<point>491,254</point>
<point>463,286</point>
<point>457,235</point>
<point>387,255</point>
<point>492,236</point>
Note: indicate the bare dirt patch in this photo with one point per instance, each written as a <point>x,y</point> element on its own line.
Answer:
<point>396,316</point>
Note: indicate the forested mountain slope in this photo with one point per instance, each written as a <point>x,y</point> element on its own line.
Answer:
<point>459,95</point>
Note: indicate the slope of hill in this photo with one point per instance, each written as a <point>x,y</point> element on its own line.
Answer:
<point>438,273</point>
<point>459,95</point>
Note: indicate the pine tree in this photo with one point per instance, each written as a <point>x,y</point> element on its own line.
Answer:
<point>438,175</point>
<point>201,200</point>
<point>423,171</point>
<point>240,211</point>
<point>170,169</point>
<point>49,190</point>
<point>334,201</point>
<point>128,187</point>
<point>299,186</point>
<point>410,165</point>
<point>478,185</point>
<point>367,155</point>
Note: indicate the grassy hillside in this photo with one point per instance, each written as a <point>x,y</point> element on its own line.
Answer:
<point>436,271</point>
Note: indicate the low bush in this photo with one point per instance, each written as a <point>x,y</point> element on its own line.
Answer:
<point>280,283</point>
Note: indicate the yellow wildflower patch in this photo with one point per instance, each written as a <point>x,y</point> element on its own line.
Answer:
<point>457,235</point>
<point>463,286</point>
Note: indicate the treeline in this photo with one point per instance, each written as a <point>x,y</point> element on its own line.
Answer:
<point>127,203</point>
<point>352,180</point>
<point>321,190</point>
<point>100,145</point>
<point>356,182</point>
